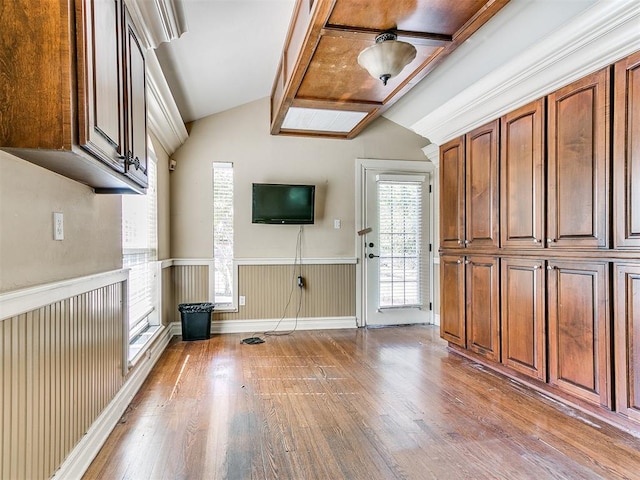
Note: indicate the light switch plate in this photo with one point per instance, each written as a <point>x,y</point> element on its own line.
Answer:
<point>58,226</point>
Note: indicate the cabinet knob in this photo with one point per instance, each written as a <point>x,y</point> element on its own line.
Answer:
<point>550,267</point>
<point>467,262</point>
<point>459,242</point>
<point>536,267</point>
<point>467,242</point>
<point>550,240</point>
<point>459,261</point>
<point>537,240</point>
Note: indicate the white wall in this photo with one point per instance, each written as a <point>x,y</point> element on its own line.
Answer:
<point>241,136</point>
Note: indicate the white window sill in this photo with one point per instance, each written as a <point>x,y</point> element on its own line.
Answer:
<point>141,343</point>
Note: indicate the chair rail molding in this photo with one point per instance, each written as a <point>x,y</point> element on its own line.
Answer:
<point>603,34</point>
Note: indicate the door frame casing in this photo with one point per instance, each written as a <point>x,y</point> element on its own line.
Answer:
<point>387,166</point>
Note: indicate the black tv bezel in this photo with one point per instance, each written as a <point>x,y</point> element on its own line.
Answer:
<point>280,221</point>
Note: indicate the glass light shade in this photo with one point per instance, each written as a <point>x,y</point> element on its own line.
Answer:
<point>386,59</point>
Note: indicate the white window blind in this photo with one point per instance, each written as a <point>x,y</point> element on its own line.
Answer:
<point>401,227</point>
<point>223,232</point>
<point>140,250</point>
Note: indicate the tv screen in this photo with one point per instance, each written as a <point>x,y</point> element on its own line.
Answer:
<point>282,204</point>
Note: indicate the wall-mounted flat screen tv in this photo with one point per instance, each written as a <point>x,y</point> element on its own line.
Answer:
<point>281,204</point>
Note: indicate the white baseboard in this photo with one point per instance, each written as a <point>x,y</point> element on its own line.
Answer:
<point>264,325</point>
<point>77,462</point>
<point>436,319</point>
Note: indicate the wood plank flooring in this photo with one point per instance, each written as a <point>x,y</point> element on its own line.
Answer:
<point>365,404</point>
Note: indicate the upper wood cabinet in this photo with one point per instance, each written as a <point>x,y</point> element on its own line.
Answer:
<point>469,189</point>
<point>627,339</point>
<point>579,336</point>
<point>626,153</point>
<point>578,164</point>
<point>452,179</point>
<point>483,306</point>
<point>72,91</point>
<point>522,178</point>
<point>523,316</point>
<point>481,165</point>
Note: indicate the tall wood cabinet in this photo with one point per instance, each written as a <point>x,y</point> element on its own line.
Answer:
<point>578,164</point>
<point>470,309</point>
<point>579,353</point>
<point>469,189</point>
<point>627,339</point>
<point>626,153</point>
<point>568,285</point>
<point>522,178</point>
<point>523,324</point>
<point>72,93</point>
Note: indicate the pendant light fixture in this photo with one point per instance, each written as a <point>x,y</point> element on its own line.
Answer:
<point>387,57</point>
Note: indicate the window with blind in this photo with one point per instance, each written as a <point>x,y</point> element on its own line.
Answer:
<point>401,230</point>
<point>140,250</point>
<point>223,233</point>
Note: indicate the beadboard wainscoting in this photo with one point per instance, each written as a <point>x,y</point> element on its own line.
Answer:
<point>270,291</point>
<point>64,371</point>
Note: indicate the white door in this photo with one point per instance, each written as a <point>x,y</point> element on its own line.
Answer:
<point>395,252</point>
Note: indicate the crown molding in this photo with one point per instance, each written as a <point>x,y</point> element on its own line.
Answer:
<point>164,117</point>
<point>157,21</point>
<point>605,33</point>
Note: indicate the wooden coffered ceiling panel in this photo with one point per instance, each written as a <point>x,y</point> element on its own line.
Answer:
<point>319,71</point>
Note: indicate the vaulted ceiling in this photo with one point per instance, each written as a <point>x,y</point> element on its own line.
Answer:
<point>232,53</point>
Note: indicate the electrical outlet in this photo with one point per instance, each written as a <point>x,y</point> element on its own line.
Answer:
<point>242,301</point>
<point>337,224</point>
<point>58,226</point>
<point>300,281</point>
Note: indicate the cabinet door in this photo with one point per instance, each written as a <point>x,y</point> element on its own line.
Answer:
<point>627,339</point>
<point>136,101</point>
<point>452,193</point>
<point>523,316</point>
<point>626,151</point>
<point>482,186</point>
<point>482,303</point>
<point>578,330</point>
<point>522,177</point>
<point>101,124</point>
<point>578,166</point>
<point>452,306</point>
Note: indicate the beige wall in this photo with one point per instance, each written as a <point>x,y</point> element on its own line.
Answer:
<point>241,136</point>
<point>28,254</point>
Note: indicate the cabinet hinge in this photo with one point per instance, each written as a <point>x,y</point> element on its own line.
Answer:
<point>430,247</point>
<point>429,188</point>
<point>430,306</point>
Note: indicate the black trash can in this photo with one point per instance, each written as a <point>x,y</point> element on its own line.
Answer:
<point>196,320</point>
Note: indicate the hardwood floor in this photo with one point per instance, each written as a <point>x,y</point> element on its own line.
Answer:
<point>388,403</point>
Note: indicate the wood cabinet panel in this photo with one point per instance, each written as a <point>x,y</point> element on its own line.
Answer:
<point>100,80</point>
<point>522,178</point>
<point>627,339</point>
<point>482,187</point>
<point>482,306</point>
<point>523,316</point>
<point>452,196</point>
<point>626,153</point>
<point>579,350</point>
<point>452,306</point>
<point>136,165</point>
<point>578,164</point>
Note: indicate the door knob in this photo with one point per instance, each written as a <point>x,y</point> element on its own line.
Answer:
<point>370,244</point>
<point>371,255</point>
